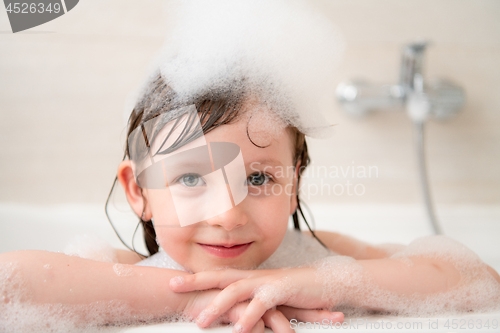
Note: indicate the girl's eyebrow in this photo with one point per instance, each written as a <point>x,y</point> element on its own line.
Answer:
<point>266,161</point>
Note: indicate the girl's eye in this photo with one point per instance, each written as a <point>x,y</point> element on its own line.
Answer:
<point>191,180</point>
<point>258,179</point>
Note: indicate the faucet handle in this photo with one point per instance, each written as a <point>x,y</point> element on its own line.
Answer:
<point>440,99</point>
<point>446,98</point>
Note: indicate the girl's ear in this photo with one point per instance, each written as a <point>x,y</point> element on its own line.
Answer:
<point>293,199</point>
<point>133,192</point>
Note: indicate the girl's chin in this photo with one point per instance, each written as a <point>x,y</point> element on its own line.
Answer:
<point>213,266</point>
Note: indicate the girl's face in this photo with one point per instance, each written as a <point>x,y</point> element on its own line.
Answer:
<point>246,235</point>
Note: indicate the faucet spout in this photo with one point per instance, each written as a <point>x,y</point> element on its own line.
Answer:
<point>439,99</point>
<point>412,59</point>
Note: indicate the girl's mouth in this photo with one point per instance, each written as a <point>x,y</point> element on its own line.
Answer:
<point>225,252</point>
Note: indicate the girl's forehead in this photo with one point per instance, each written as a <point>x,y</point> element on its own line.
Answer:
<point>257,140</point>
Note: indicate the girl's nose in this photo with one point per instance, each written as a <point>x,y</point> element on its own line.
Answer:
<point>233,218</point>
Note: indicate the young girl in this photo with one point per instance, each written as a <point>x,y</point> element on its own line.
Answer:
<point>223,249</point>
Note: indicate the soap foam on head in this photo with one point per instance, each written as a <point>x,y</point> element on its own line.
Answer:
<point>282,51</point>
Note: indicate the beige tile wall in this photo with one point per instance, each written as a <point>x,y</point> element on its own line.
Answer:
<point>63,87</point>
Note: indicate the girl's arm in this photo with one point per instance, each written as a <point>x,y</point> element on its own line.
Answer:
<point>42,277</point>
<point>351,247</point>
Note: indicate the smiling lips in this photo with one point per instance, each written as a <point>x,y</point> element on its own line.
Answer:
<point>226,251</point>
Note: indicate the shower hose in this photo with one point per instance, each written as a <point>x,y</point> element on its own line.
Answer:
<point>424,181</point>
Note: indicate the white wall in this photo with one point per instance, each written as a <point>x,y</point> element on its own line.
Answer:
<point>63,86</point>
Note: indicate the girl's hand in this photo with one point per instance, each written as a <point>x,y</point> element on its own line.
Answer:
<point>276,319</point>
<point>294,287</point>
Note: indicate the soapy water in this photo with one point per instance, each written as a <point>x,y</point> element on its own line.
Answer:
<point>90,246</point>
<point>276,292</point>
<point>476,292</point>
<point>283,51</point>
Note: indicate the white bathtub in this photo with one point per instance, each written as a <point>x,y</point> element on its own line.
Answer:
<point>478,227</point>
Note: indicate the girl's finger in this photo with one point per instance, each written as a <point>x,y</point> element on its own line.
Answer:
<point>235,293</point>
<point>207,280</point>
<point>254,311</point>
<point>234,314</point>
<point>259,327</point>
<point>311,315</point>
<point>275,320</point>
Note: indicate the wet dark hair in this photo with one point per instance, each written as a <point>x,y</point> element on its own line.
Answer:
<point>214,110</point>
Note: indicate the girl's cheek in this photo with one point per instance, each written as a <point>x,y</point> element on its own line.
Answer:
<point>174,237</point>
<point>270,207</point>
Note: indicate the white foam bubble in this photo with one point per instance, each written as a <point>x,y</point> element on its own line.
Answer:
<point>122,270</point>
<point>296,249</point>
<point>283,51</point>
<point>276,292</point>
<point>161,259</point>
<point>349,288</point>
<point>89,246</point>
